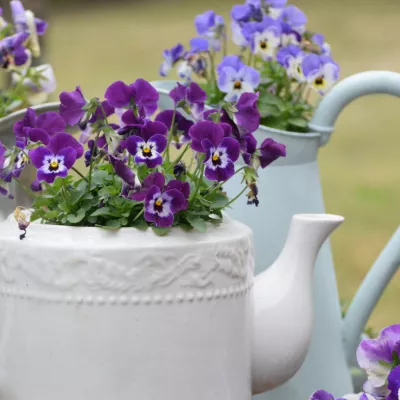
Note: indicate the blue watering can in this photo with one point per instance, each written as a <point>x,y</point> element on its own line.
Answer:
<point>290,186</point>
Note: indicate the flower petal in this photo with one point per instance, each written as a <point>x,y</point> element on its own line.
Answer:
<point>64,140</point>
<point>51,122</point>
<point>38,135</point>
<point>159,141</point>
<point>133,143</point>
<point>38,155</point>
<point>119,94</point>
<point>176,200</point>
<point>232,148</point>
<point>69,156</point>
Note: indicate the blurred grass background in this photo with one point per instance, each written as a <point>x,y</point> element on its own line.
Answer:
<point>93,43</point>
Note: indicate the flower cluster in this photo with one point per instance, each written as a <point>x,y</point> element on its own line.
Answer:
<point>19,46</point>
<point>143,169</point>
<point>278,57</point>
<point>380,358</point>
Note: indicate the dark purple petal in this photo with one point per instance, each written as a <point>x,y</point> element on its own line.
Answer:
<point>123,171</point>
<point>183,187</point>
<point>21,56</point>
<point>50,122</point>
<point>64,140</point>
<point>50,178</point>
<point>71,106</point>
<point>37,156</point>
<point>208,148</point>
<point>321,395</point>
<point>133,143</point>
<point>150,162</point>
<point>29,120</point>
<point>211,174</point>
<point>36,186</point>
<point>119,94</point>
<point>152,193</point>
<point>270,151</point>
<point>205,130</point>
<point>159,141</point>
<point>146,97</point>
<point>195,94</point>
<point>69,155</point>
<point>176,199</point>
<point>223,174</point>
<point>394,384</point>
<point>41,26</point>
<point>178,93</point>
<point>38,135</point>
<point>231,147</point>
<point>154,179</point>
<point>152,128</point>
<point>164,222</point>
<point>248,116</point>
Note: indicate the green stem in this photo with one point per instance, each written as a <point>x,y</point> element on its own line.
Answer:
<point>235,198</point>
<point>76,171</point>
<point>138,215</point>
<point>65,193</point>
<point>104,114</point>
<point>171,130</point>
<point>200,180</point>
<point>222,183</point>
<point>212,66</point>
<point>179,158</point>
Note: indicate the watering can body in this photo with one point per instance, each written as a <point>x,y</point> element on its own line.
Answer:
<point>290,186</point>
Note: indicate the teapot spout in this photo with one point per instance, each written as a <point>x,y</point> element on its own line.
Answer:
<point>283,311</point>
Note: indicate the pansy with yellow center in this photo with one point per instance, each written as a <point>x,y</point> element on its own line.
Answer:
<point>320,72</point>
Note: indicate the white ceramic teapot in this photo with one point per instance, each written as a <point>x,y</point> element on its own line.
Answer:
<point>90,314</point>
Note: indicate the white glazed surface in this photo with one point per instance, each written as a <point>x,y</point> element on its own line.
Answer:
<point>87,314</point>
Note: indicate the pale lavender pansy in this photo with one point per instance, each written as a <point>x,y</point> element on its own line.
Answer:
<point>171,57</point>
<point>236,78</point>
<point>210,26</point>
<point>13,54</point>
<point>294,17</point>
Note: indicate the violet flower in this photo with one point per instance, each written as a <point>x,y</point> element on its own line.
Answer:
<point>71,107</point>
<point>123,171</point>
<point>376,355</point>
<point>293,16</point>
<point>12,51</point>
<point>199,45</point>
<point>57,158</point>
<point>140,93</point>
<point>191,98</point>
<point>210,26</point>
<point>38,128</point>
<point>394,384</point>
<point>247,117</point>
<point>291,58</point>
<point>140,192</point>
<point>220,151</point>
<point>180,132</point>
<point>147,147</point>
<point>162,203</point>
<point>319,40</point>
<point>171,56</point>
<point>321,72</point>
<point>270,150</point>
<point>264,37</point>
<point>20,19</point>
<point>289,35</point>
<point>235,79</point>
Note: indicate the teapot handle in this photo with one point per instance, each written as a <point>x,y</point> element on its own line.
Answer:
<point>349,89</point>
<point>369,294</point>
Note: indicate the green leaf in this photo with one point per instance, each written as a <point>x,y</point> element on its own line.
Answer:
<point>198,223</point>
<point>298,123</point>
<point>103,211</point>
<point>123,221</point>
<point>217,199</point>
<point>113,223</point>
<point>140,224</point>
<point>160,231</point>
<point>76,195</point>
<point>76,218</point>
<point>98,177</point>
<point>108,191</point>
<point>267,110</point>
<point>92,220</point>
<point>52,214</point>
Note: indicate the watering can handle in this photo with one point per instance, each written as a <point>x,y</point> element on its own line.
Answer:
<point>349,89</point>
<point>369,294</point>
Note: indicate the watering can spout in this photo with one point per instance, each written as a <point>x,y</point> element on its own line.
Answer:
<point>349,89</point>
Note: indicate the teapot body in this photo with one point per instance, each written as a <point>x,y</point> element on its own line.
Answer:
<point>89,314</point>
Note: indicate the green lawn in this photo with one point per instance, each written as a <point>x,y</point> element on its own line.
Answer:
<point>93,47</point>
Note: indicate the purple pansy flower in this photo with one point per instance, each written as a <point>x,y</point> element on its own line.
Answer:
<point>237,34</point>
<point>247,117</point>
<point>192,96</point>
<point>11,164</point>
<point>394,384</point>
<point>235,79</point>
<point>210,25</point>
<point>376,355</point>
<point>38,128</point>
<point>12,51</point>
<point>36,186</point>
<point>291,57</point>
<point>180,133</point>
<point>171,56</point>
<point>321,72</point>
<point>147,147</point>
<point>264,36</point>
<point>220,151</point>
<point>162,203</point>
<point>139,193</point>
<point>57,158</point>
<point>270,151</point>
<point>289,35</point>
<point>141,93</point>
<point>199,45</point>
<point>20,19</point>
<point>293,16</point>
<point>123,171</point>
<point>319,40</point>
<point>322,395</point>
<point>71,107</point>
